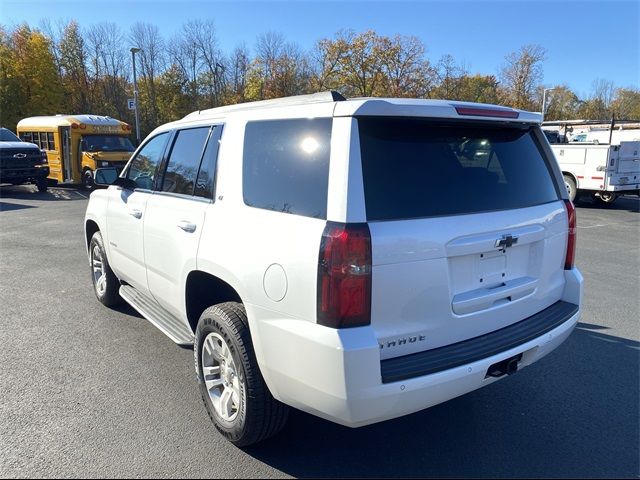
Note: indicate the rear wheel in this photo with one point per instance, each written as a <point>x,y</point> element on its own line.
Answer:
<point>234,393</point>
<point>607,198</point>
<point>570,184</point>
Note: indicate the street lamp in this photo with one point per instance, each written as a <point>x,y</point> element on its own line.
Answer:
<point>135,50</point>
<point>544,100</point>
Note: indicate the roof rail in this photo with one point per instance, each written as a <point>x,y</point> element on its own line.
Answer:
<point>321,97</point>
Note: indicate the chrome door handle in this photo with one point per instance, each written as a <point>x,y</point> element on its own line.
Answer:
<point>134,212</point>
<point>187,226</point>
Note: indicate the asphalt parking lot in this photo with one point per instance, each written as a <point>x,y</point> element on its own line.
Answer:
<point>88,391</point>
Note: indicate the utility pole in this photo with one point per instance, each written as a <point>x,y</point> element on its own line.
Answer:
<point>544,100</point>
<point>135,50</point>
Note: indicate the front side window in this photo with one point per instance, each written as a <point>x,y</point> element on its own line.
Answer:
<point>286,165</point>
<point>144,166</point>
<point>184,160</point>
<point>415,168</point>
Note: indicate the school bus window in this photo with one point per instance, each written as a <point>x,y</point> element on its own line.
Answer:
<point>52,143</point>
<point>43,141</point>
<point>26,136</point>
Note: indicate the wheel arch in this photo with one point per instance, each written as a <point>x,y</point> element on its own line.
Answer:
<point>90,228</point>
<point>202,290</point>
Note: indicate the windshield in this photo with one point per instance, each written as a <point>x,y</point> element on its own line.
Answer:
<point>106,143</point>
<point>8,136</point>
<point>416,169</point>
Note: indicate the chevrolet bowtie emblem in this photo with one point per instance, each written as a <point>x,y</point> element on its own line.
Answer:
<point>506,241</point>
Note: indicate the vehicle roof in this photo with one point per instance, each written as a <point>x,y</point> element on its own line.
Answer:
<point>65,120</point>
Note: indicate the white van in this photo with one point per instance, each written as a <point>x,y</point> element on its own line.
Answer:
<point>356,259</point>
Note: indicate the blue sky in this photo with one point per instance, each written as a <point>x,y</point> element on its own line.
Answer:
<point>585,40</point>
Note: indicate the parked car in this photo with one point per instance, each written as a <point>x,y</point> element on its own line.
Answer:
<point>22,162</point>
<point>356,259</point>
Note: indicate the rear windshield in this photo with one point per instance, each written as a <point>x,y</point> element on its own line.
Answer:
<point>415,169</point>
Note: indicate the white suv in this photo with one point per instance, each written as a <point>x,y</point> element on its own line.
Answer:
<point>356,259</point>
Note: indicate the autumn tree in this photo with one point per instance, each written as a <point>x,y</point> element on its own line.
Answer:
<point>449,75</point>
<point>521,74</point>
<point>35,82</point>
<point>626,104</point>
<point>478,88</point>
<point>562,103</point>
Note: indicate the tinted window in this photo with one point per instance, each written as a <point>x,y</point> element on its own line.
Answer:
<point>106,143</point>
<point>44,143</point>
<point>26,137</point>
<point>51,141</point>
<point>286,165</point>
<point>184,160</point>
<point>413,169</point>
<point>143,167</point>
<point>205,185</point>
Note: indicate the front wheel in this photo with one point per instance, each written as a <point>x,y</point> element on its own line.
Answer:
<point>234,393</point>
<point>105,282</point>
<point>41,184</point>
<point>87,180</point>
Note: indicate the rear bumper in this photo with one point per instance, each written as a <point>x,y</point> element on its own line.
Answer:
<point>338,375</point>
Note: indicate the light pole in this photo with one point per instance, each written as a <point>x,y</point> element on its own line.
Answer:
<point>544,100</point>
<point>135,50</point>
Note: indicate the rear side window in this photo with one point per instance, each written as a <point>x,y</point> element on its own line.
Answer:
<point>416,169</point>
<point>184,161</point>
<point>286,166</point>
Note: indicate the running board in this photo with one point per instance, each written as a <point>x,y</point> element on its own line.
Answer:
<point>171,326</point>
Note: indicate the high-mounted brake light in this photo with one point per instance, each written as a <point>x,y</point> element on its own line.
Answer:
<point>571,241</point>
<point>344,276</point>
<point>487,112</point>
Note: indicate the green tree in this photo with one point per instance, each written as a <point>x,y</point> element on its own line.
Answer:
<point>73,63</point>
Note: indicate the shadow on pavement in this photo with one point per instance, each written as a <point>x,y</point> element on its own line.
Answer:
<point>579,421</point>
<point>7,207</point>
<point>627,203</point>
<point>29,192</point>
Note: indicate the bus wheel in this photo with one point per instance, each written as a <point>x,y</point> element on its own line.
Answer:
<point>87,180</point>
<point>607,198</point>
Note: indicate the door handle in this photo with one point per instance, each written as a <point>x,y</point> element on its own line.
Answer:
<point>134,212</point>
<point>187,226</point>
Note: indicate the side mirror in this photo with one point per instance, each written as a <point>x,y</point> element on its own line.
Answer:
<point>105,177</point>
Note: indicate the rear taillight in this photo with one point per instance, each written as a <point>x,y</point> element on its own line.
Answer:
<point>344,276</point>
<point>571,242</point>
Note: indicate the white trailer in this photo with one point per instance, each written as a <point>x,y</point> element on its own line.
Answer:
<point>603,171</point>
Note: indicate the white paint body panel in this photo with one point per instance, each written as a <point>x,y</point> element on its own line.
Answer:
<point>612,168</point>
<point>422,270</point>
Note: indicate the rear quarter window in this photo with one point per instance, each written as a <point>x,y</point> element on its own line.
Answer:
<point>417,168</point>
<point>286,165</point>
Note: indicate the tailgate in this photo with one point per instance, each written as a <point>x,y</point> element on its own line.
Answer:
<point>443,280</point>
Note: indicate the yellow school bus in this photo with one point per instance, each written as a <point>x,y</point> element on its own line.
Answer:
<point>78,144</point>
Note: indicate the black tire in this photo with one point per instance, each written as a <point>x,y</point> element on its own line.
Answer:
<point>41,184</point>
<point>572,188</point>
<point>259,415</point>
<point>108,296</point>
<point>87,180</point>
<point>52,182</point>
<point>607,198</point>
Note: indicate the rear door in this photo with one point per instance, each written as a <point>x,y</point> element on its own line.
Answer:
<point>468,229</point>
<point>176,213</point>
